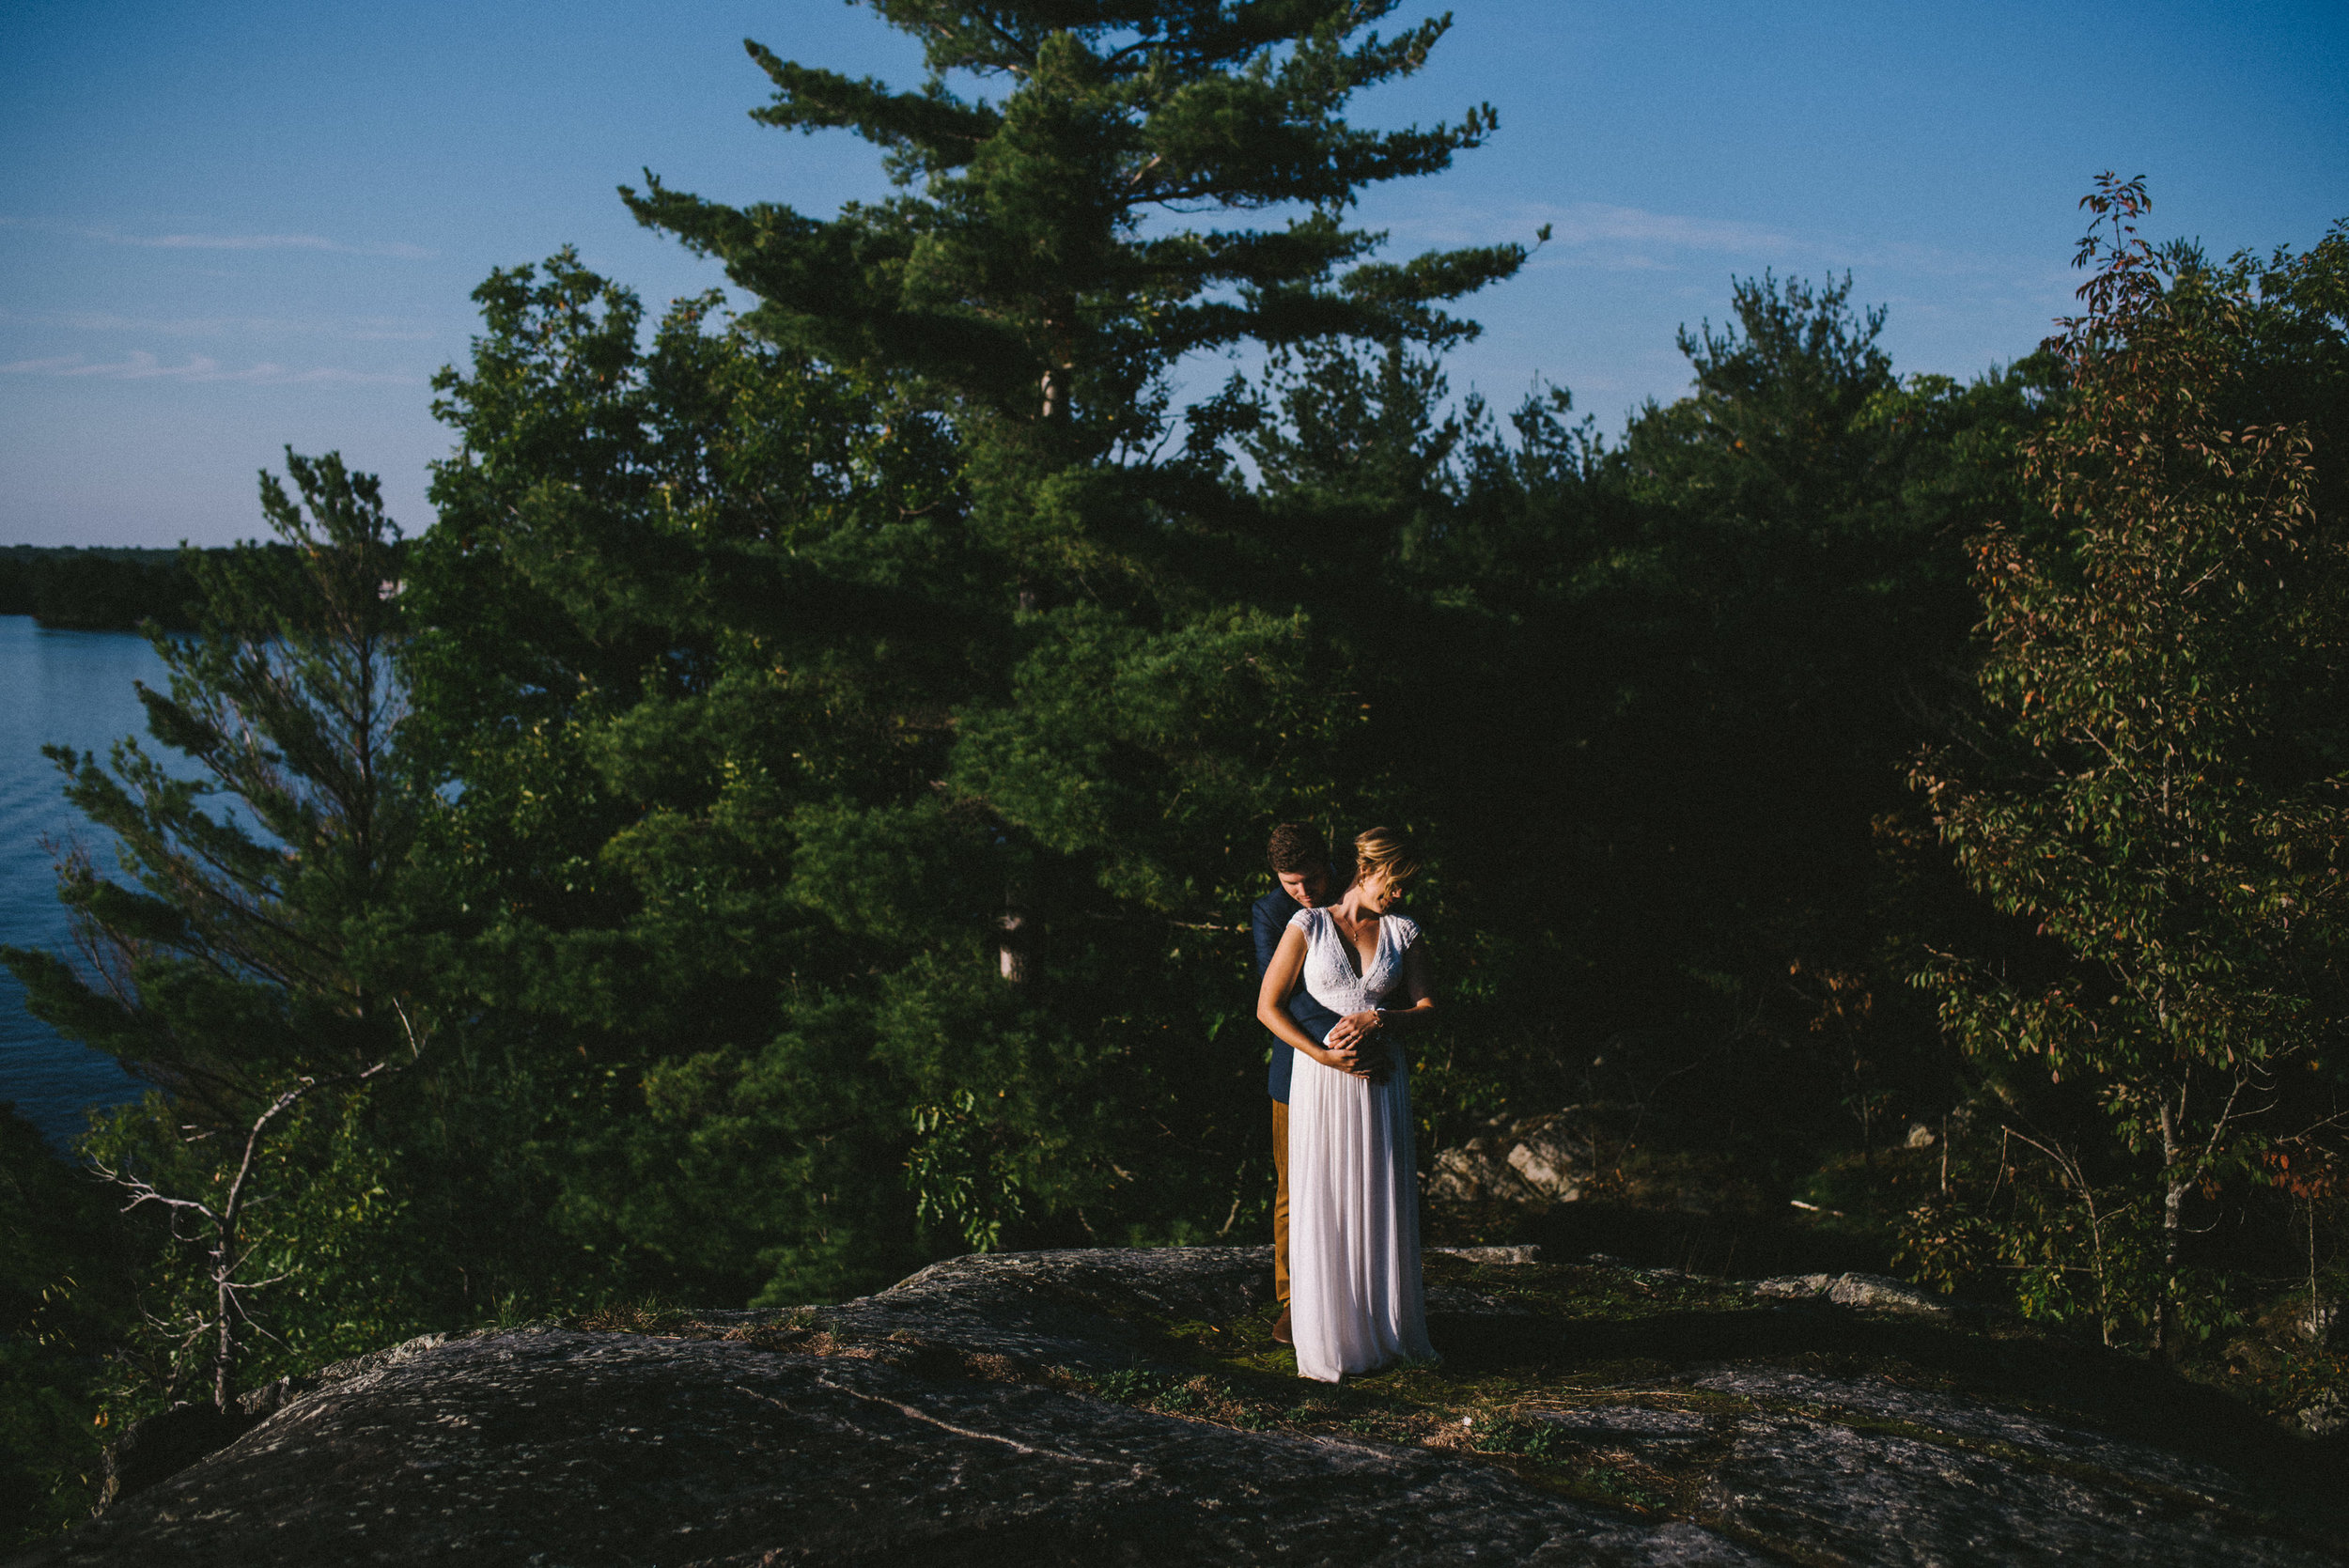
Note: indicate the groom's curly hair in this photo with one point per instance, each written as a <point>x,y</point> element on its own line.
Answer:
<point>1297,848</point>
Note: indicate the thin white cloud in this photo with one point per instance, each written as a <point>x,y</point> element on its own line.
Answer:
<point>1602,237</point>
<point>1439,218</point>
<point>229,241</point>
<point>1610,261</point>
<point>364,329</point>
<point>1589,223</point>
<point>140,365</point>
<point>267,242</point>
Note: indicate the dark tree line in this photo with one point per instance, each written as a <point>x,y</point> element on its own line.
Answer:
<point>791,817</point>
<point>110,588</point>
<point>97,590</point>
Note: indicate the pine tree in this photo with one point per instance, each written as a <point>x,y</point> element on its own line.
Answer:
<point>692,605</point>
<point>259,955</point>
<point>1032,274</point>
<point>909,780</point>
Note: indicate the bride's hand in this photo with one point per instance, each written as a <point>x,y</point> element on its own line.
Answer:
<point>1349,1031</point>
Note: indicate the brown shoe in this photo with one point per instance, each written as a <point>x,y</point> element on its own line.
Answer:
<point>1281,1329</point>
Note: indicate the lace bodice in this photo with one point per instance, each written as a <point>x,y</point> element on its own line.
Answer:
<point>1330,970</point>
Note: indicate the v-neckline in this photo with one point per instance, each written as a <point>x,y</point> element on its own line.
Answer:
<point>1354,959</point>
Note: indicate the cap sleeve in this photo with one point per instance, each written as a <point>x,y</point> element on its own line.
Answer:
<point>1302,921</point>
<point>1405,931</point>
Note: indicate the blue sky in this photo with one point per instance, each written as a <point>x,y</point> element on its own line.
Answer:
<point>230,227</point>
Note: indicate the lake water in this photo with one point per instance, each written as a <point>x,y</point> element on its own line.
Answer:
<point>73,689</point>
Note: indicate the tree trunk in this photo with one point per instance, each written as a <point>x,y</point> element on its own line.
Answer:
<point>1011,952</point>
<point>225,1348</point>
<point>2169,1338</point>
<point>225,1261</point>
<point>1061,336</point>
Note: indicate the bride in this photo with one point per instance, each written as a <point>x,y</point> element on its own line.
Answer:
<point>1356,1301</point>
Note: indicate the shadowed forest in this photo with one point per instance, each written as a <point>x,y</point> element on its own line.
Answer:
<point>100,589</point>
<point>792,816</point>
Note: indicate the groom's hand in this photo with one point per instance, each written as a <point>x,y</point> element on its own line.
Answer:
<point>1350,1057</point>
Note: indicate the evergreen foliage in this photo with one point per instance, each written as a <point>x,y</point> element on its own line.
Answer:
<point>901,692</point>
<point>256,955</point>
<point>1032,273</point>
<point>692,606</point>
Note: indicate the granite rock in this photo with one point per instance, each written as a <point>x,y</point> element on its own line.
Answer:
<point>1877,1291</point>
<point>1555,1156</point>
<point>959,1418</point>
<point>1476,1172</point>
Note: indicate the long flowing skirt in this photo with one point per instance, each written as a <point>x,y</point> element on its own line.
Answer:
<point>1357,1303</point>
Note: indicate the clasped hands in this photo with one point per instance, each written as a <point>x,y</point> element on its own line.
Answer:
<point>1349,1048</point>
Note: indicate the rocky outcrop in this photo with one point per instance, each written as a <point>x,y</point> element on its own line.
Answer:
<point>1581,1154</point>
<point>1857,1290</point>
<point>1537,1160</point>
<point>1130,1407</point>
<point>1555,1156</point>
<point>2306,1319</point>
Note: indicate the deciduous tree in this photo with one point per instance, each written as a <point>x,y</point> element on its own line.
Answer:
<point>2168,653</point>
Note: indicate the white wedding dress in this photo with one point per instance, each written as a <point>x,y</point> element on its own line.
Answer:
<point>1356,1303</point>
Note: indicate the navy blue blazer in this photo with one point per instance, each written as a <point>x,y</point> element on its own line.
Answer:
<point>1270,918</point>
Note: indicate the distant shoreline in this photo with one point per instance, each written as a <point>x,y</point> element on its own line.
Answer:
<point>97,588</point>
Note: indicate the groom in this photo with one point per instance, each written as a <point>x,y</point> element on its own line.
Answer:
<point>1300,864</point>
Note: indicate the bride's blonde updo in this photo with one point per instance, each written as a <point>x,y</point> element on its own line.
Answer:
<point>1387,851</point>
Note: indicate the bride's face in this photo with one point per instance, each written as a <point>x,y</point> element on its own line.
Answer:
<point>1376,895</point>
